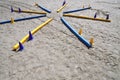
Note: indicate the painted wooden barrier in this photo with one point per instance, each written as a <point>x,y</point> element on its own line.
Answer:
<point>27,11</point>
<point>16,46</point>
<point>71,11</point>
<point>21,19</point>
<point>86,17</point>
<point>88,44</point>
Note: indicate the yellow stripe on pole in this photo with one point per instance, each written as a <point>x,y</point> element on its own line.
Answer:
<point>86,17</point>
<point>16,46</point>
<point>60,9</point>
<point>12,21</point>
<point>29,11</point>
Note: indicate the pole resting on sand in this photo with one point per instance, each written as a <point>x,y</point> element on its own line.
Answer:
<point>27,11</point>
<point>71,11</point>
<point>76,33</point>
<point>43,8</point>
<point>86,17</point>
<point>21,19</point>
<point>27,37</point>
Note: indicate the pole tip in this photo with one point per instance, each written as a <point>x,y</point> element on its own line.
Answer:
<point>80,31</point>
<point>107,16</point>
<point>12,21</point>
<point>89,5</point>
<point>64,2</point>
<point>19,9</point>
<point>30,36</point>
<point>95,15</point>
<point>21,47</point>
<point>83,6</point>
<point>12,9</point>
<point>35,4</point>
<point>13,49</point>
<point>92,41</point>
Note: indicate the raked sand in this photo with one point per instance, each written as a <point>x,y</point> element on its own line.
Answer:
<point>55,53</point>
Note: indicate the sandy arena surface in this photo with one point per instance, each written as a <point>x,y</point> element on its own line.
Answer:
<point>55,53</point>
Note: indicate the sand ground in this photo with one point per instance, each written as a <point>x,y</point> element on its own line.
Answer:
<point>55,53</point>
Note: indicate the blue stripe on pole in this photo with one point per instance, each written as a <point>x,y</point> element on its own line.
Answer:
<point>21,19</point>
<point>29,18</point>
<point>76,33</point>
<point>4,22</point>
<point>43,8</point>
<point>76,10</point>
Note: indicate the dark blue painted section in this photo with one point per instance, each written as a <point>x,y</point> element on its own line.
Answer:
<point>107,16</point>
<point>43,8</point>
<point>19,10</point>
<point>30,36</point>
<point>21,47</point>
<point>21,19</point>
<point>76,10</point>
<point>4,22</point>
<point>12,9</point>
<point>95,15</point>
<point>76,33</point>
<point>64,2</point>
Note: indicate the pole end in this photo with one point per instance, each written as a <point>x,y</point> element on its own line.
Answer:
<point>12,9</point>
<point>83,6</point>
<point>80,31</point>
<point>92,41</point>
<point>35,4</point>
<point>12,21</point>
<point>21,47</point>
<point>30,36</point>
<point>64,2</point>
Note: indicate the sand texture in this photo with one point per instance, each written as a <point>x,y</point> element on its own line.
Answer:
<point>55,53</point>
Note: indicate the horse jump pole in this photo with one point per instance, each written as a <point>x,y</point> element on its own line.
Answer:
<point>21,19</point>
<point>28,11</point>
<point>71,11</point>
<point>76,33</point>
<point>16,46</point>
<point>86,17</point>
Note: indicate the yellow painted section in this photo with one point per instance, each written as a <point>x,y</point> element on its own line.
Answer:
<point>89,5</point>
<point>60,9</point>
<point>16,46</point>
<point>29,11</point>
<point>86,17</point>
<point>80,31</point>
<point>92,41</point>
<point>83,6</point>
<point>12,21</point>
<point>36,4</point>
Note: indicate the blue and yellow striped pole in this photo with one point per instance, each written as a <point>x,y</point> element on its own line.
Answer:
<point>88,44</point>
<point>16,46</point>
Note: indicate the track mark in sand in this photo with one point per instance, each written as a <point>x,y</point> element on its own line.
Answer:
<point>101,11</point>
<point>16,3</point>
<point>1,5</point>
<point>115,2</point>
<point>117,8</point>
<point>6,5</point>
